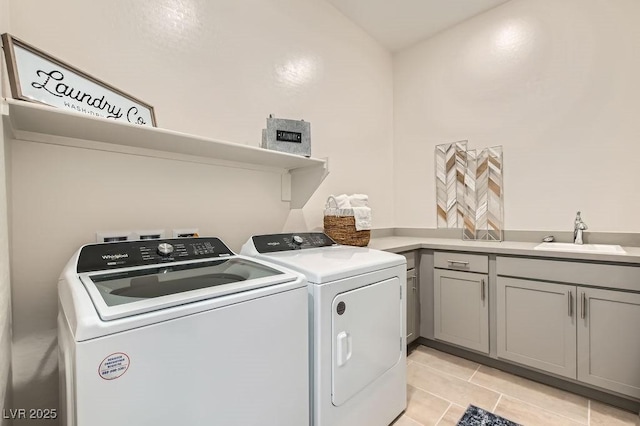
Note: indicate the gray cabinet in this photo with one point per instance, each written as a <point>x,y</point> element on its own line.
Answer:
<point>413,298</point>
<point>461,303</point>
<point>536,324</point>
<point>413,309</point>
<point>576,331</point>
<point>609,340</point>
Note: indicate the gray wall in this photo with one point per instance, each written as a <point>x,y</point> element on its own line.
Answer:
<point>5,287</point>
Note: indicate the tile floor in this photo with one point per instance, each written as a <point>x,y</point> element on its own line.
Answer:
<point>441,386</point>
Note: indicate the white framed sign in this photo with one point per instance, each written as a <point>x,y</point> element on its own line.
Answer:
<point>38,77</point>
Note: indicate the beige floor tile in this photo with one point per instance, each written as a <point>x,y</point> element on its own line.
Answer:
<point>606,415</point>
<point>530,415</point>
<point>558,401</point>
<point>403,420</point>
<point>424,407</point>
<point>444,362</point>
<point>452,416</point>
<point>450,388</point>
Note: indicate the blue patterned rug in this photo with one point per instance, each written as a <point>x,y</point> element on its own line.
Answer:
<point>475,416</point>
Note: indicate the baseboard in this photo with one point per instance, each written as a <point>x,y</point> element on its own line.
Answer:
<point>411,346</point>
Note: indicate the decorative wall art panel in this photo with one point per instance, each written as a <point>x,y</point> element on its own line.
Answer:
<point>469,223</point>
<point>450,170</point>
<point>495,188</point>
<point>469,190</point>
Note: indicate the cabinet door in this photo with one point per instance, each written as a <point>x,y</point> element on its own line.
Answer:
<point>461,309</point>
<point>609,340</point>
<point>536,325</point>
<point>412,306</point>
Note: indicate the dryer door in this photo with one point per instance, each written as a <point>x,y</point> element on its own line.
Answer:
<point>367,336</point>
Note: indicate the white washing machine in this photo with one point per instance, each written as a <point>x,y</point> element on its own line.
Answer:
<point>357,308</point>
<point>181,332</point>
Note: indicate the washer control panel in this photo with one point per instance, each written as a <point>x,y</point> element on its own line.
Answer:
<point>285,242</point>
<point>100,257</point>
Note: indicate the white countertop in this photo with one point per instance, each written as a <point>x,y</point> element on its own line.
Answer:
<point>400,244</point>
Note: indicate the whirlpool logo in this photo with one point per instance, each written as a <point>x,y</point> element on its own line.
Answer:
<point>115,256</point>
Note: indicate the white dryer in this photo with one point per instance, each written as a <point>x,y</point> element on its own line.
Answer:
<point>181,332</point>
<point>357,319</point>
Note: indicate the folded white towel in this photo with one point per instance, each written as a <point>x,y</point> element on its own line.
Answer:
<point>359,200</point>
<point>362,216</point>
<point>338,202</point>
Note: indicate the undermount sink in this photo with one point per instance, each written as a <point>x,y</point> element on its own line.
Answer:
<point>582,248</point>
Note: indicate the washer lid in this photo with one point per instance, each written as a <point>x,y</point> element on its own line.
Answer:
<point>131,291</point>
<point>326,264</point>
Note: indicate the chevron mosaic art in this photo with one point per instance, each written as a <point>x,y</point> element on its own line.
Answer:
<point>469,190</point>
<point>470,219</point>
<point>450,169</point>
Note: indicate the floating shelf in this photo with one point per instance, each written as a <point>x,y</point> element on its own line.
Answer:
<point>41,123</point>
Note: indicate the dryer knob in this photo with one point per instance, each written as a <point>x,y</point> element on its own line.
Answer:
<point>298,240</point>
<point>165,249</point>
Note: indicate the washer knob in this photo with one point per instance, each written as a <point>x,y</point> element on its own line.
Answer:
<point>297,239</point>
<point>165,249</point>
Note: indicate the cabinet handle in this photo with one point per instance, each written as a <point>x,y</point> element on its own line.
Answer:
<point>482,292</point>
<point>570,298</point>
<point>583,305</point>
<point>458,262</point>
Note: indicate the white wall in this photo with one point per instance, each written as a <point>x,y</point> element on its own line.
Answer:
<point>219,68</point>
<point>5,287</point>
<point>556,83</point>
<point>214,68</point>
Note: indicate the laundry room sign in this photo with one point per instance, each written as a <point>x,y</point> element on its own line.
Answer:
<point>38,77</point>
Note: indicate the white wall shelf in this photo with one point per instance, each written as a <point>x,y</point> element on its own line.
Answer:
<point>28,121</point>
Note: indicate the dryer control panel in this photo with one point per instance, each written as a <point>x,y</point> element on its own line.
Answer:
<point>100,257</point>
<point>285,242</point>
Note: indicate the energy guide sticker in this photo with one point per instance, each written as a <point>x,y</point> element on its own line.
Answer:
<point>114,366</point>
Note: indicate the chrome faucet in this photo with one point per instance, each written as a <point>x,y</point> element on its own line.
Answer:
<point>578,227</point>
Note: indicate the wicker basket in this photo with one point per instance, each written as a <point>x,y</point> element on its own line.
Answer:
<point>342,229</point>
